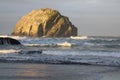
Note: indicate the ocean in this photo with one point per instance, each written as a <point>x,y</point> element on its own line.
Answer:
<point>71,58</point>
<point>73,50</point>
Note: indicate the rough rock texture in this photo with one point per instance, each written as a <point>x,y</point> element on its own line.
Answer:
<point>8,41</point>
<point>44,22</point>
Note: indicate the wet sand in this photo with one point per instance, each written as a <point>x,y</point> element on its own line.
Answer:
<point>30,71</point>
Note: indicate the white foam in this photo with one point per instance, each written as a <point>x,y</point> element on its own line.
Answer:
<point>64,44</point>
<point>14,37</point>
<point>17,37</point>
<point>31,45</point>
<point>78,37</point>
<point>3,35</point>
<point>41,45</point>
<point>9,51</point>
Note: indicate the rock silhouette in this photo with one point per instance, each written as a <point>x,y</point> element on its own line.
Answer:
<point>44,22</point>
<point>8,41</point>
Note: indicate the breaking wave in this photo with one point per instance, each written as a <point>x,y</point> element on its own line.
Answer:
<point>58,57</point>
<point>9,51</point>
<point>64,44</point>
<point>14,37</point>
<point>79,37</point>
<point>71,50</point>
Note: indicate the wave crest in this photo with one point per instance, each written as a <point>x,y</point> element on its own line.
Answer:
<point>64,44</point>
<point>79,37</point>
<point>9,51</point>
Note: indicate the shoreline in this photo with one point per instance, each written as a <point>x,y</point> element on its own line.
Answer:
<point>33,71</point>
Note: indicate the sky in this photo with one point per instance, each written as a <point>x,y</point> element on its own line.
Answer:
<point>91,17</point>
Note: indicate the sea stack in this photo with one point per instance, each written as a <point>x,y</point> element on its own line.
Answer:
<point>44,22</point>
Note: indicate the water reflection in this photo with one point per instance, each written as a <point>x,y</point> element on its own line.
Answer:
<point>34,71</point>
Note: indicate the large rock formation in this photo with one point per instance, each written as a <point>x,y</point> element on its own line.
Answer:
<point>44,22</point>
<point>8,41</point>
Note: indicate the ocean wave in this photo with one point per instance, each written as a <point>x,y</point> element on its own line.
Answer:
<point>84,53</point>
<point>65,57</point>
<point>79,37</point>
<point>31,52</point>
<point>12,51</point>
<point>102,45</point>
<point>14,37</point>
<point>9,51</point>
<point>92,50</point>
<point>104,39</point>
<point>64,44</point>
<point>82,46</point>
<point>55,59</point>
<point>3,35</point>
<point>18,37</point>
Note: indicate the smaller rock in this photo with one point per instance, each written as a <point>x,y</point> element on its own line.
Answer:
<point>8,41</point>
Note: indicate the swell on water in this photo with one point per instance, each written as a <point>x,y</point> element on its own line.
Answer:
<point>58,57</point>
<point>72,50</point>
<point>64,44</point>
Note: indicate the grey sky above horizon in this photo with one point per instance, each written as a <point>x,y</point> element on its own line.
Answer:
<point>91,17</point>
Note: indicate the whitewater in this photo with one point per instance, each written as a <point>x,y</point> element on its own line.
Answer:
<point>87,50</point>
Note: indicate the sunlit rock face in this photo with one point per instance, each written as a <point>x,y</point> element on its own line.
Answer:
<point>44,22</point>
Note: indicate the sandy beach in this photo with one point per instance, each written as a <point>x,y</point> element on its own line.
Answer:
<point>30,71</point>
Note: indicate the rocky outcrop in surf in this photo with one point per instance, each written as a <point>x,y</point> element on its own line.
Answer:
<point>8,41</point>
<point>44,22</point>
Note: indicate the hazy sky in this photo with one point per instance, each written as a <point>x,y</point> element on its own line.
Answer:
<point>92,17</point>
